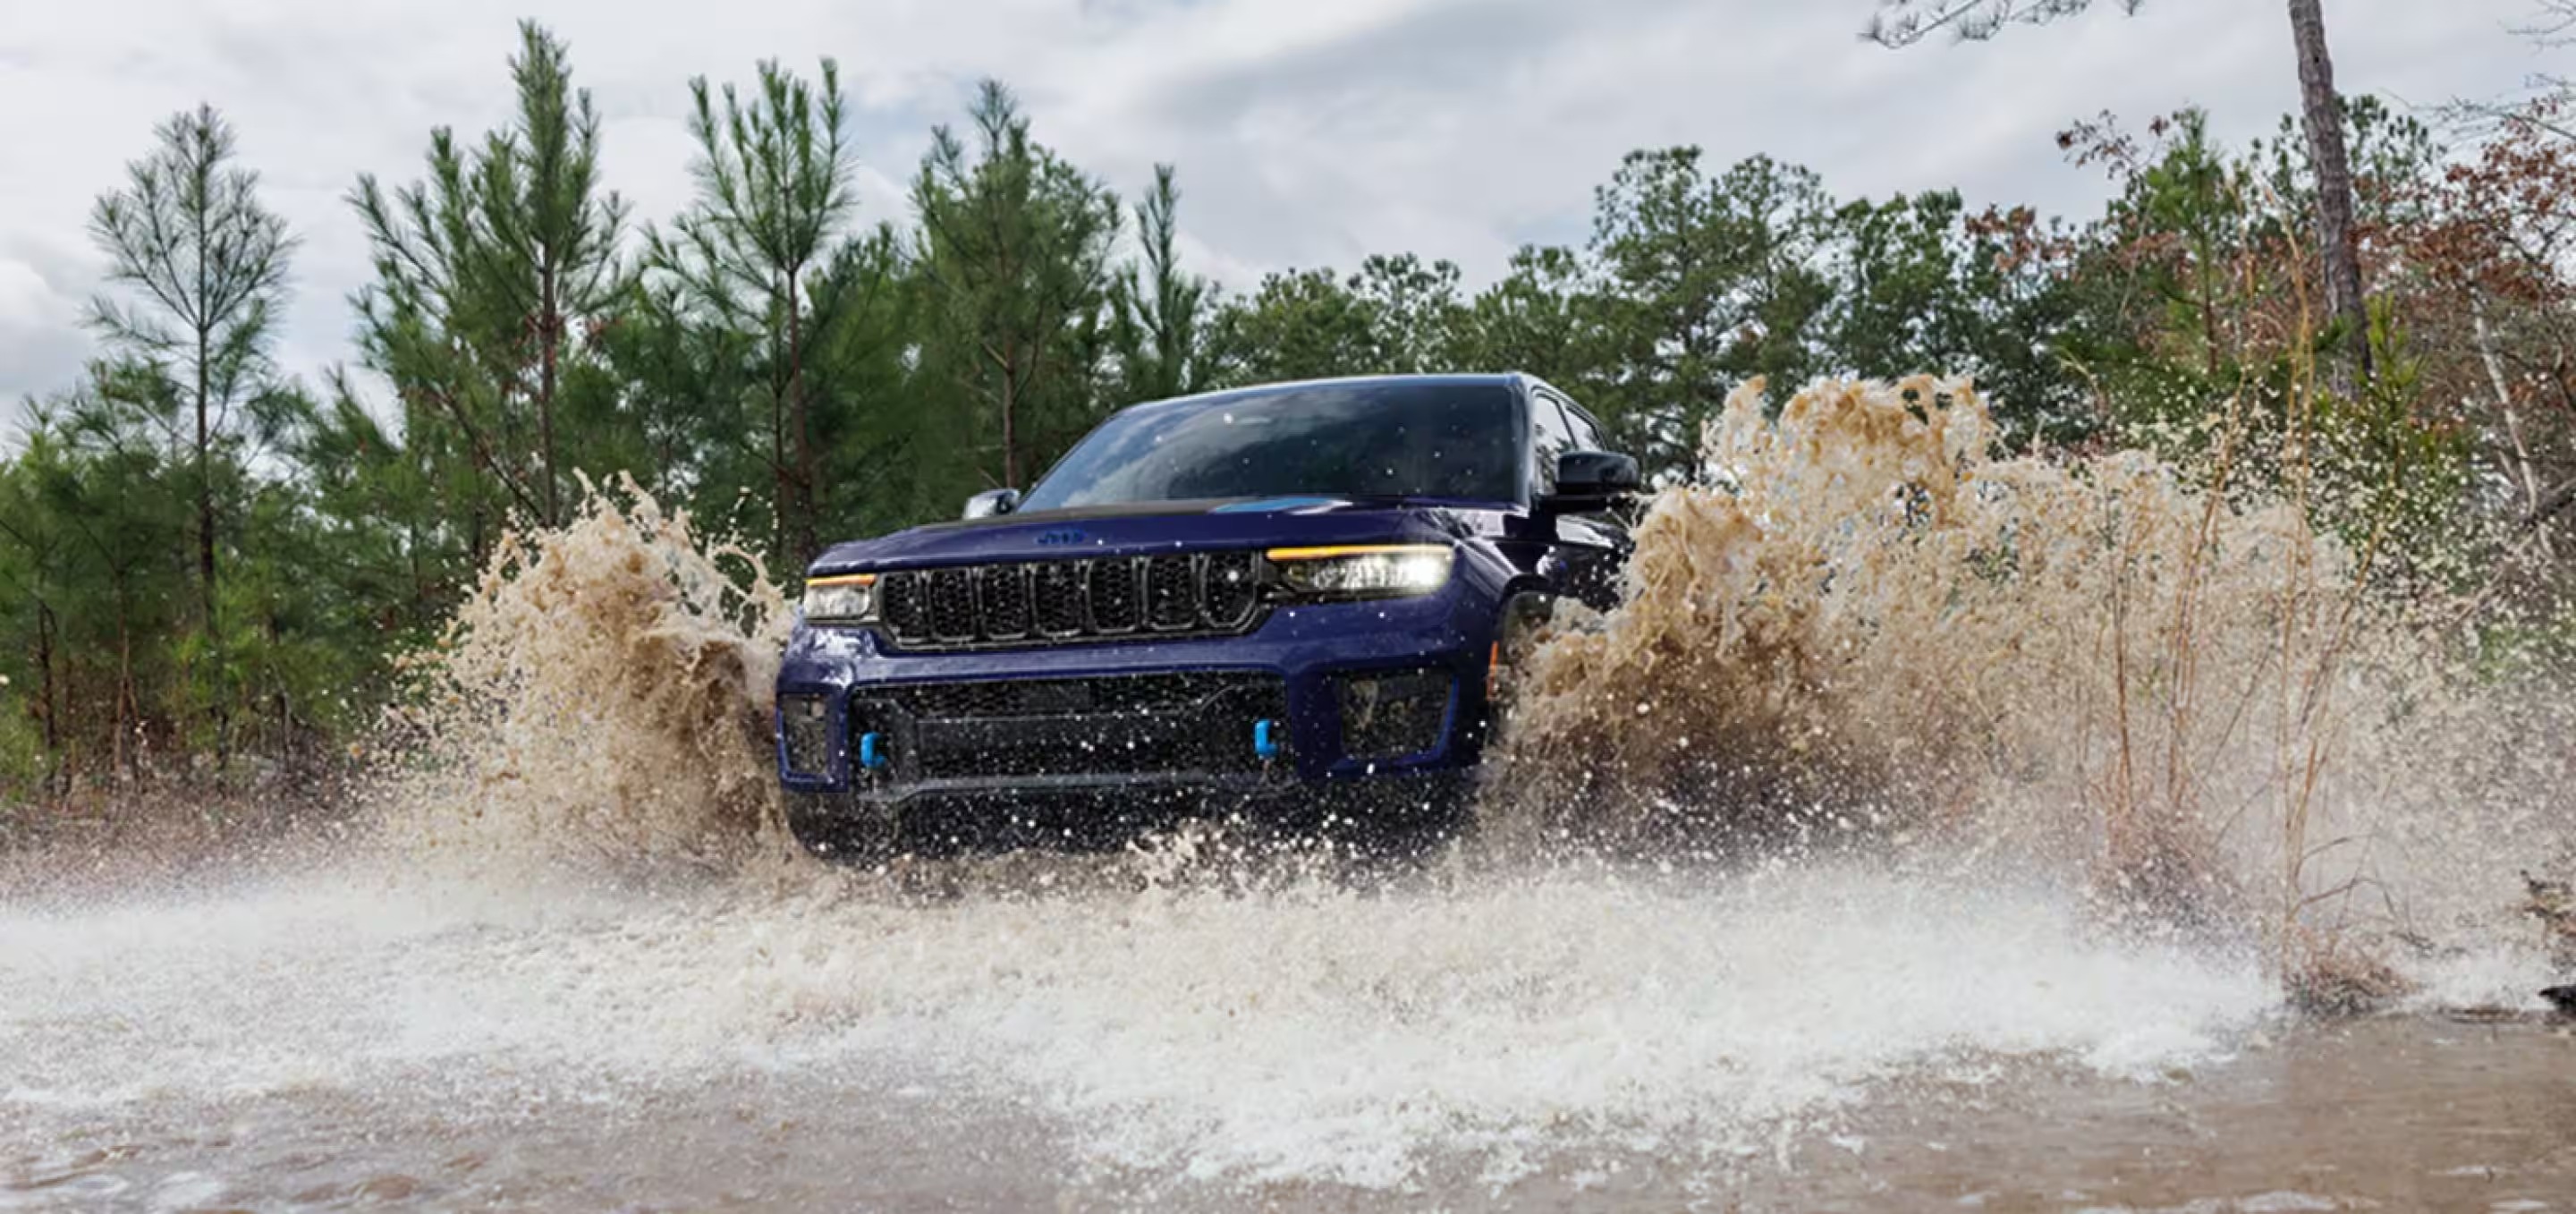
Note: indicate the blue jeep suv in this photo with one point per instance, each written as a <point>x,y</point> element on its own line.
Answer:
<point>1293,601</point>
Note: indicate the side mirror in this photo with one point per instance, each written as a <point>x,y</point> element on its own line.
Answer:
<point>1591,480</point>
<point>993,503</point>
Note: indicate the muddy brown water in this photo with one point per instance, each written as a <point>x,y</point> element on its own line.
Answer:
<point>1830,1036</point>
<point>2404,1113</point>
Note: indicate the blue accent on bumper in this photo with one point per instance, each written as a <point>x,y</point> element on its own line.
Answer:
<point>872,750</point>
<point>1265,738</point>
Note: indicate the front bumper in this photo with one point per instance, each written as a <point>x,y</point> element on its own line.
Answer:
<point>1060,723</point>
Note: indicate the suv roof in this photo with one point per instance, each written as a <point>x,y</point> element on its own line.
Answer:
<point>1462,379</point>
<point>1522,381</point>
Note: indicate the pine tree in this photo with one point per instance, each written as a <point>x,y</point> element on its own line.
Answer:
<point>550,234</point>
<point>773,191</point>
<point>1160,310</point>
<point>207,264</point>
<point>1719,279</point>
<point>1014,253</point>
<point>1297,324</point>
<point>491,272</point>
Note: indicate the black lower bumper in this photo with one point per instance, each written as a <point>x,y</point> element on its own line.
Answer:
<point>1101,811</point>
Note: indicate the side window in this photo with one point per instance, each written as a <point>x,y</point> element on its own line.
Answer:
<point>1587,436</point>
<point>1550,436</point>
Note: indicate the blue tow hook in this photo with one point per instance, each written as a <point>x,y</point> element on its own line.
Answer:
<point>872,753</point>
<point>1265,738</point>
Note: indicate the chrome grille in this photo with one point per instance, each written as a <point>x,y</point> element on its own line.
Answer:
<point>1069,602</point>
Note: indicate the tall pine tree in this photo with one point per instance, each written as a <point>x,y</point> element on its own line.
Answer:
<point>1014,255</point>
<point>203,264</point>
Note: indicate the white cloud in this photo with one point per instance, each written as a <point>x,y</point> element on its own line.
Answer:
<point>41,343</point>
<point>1307,131</point>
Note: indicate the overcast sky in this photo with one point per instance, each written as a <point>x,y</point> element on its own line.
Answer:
<point>1307,131</point>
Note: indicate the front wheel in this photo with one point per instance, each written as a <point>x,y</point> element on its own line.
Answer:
<point>1527,619</point>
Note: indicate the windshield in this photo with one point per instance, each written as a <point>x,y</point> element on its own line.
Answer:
<point>1348,439</point>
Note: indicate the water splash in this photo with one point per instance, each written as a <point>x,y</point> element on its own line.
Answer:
<point>604,695</point>
<point>1877,627</point>
<point>1311,1033</point>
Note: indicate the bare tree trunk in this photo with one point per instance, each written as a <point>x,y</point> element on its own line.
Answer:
<point>549,336</point>
<point>2323,114</point>
<point>807,476</point>
<point>206,546</point>
<point>46,695</point>
<point>780,488</point>
<point>1010,436</point>
<point>2512,416</point>
<point>127,711</point>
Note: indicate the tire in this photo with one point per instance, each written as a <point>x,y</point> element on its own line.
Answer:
<point>1526,618</point>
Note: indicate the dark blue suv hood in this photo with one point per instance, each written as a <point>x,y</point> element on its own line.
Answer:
<point>1164,526</point>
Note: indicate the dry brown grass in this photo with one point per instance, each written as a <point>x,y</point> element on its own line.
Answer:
<point>2099,661</point>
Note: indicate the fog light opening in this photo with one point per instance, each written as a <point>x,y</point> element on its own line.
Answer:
<point>1394,714</point>
<point>805,734</point>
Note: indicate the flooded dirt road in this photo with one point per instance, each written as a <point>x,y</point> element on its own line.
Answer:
<point>1061,1036</point>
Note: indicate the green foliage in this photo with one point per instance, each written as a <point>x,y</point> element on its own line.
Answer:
<point>1397,315</point>
<point>1014,259</point>
<point>1158,311</point>
<point>1298,324</point>
<point>491,274</point>
<point>1920,283</point>
<point>773,193</point>
<point>206,265</point>
<point>1716,280</point>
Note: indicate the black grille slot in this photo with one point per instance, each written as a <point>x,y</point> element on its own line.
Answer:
<point>899,598</point>
<point>1171,593</point>
<point>952,604</point>
<point>1114,606</point>
<point>1058,593</point>
<point>1004,590</point>
<point>1064,602</point>
<point>1229,590</point>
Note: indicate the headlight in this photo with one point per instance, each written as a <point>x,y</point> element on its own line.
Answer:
<point>846,599</point>
<point>1363,572</point>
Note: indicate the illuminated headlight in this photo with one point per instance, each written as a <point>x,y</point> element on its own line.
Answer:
<point>848,599</point>
<point>1371,572</point>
